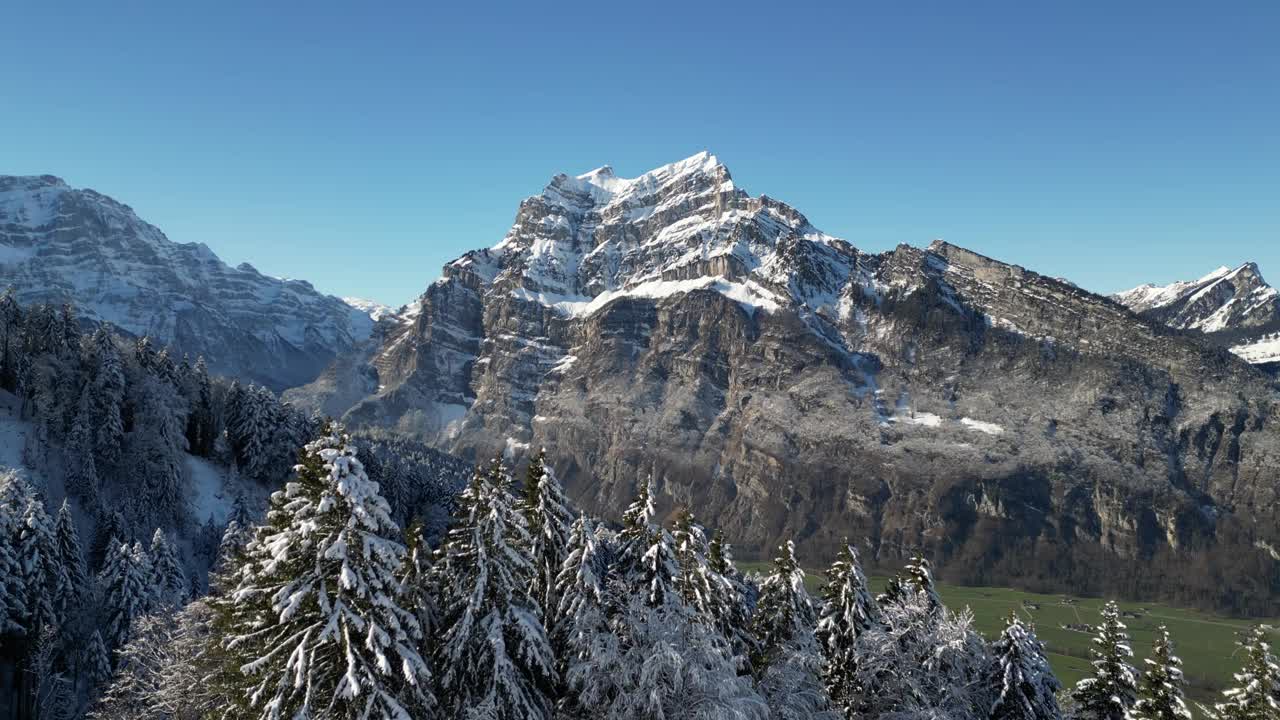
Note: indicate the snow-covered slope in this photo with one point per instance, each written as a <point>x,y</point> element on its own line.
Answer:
<point>375,310</point>
<point>60,244</point>
<point>1235,307</point>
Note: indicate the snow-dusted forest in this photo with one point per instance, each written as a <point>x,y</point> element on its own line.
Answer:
<point>376,583</point>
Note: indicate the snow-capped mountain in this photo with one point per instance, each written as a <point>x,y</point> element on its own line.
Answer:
<point>60,244</point>
<point>1234,307</point>
<point>784,383</point>
<point>375,310</point>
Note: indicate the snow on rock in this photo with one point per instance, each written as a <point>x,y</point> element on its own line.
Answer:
<point>375,310</point>
<point>60,244</point>
<point>989,428</point>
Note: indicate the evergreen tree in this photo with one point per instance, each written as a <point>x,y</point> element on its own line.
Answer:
<point>660,663</point>
<point>316,621</point>
<point>496,659</point>
<point>584,601</point>
<point>918,574</point>
<point>733,615</point>
<point>418,582</point>
<point>38,555</point>
<point>784,610</point>
<point>251,434</point>
<point>1160,690</point>
<point>108,400</point>
<point>202,428</point>
<point>110,529</point>
<point>848,610</point>
<point>123,583</point>
<point>13,590</point>
<point>659,570</point>
<point>1256,694</point>
<point>694,581</point>
<point>636,530</point>
<point>81,469</point>
<point>72,579</point>
<point>156,450</point>
<point>168,581</point>
<point>150,600</point>
<point>95,662</point>
<point>1024,686</point>
<point>546,511</point>
<point>1111,691</point>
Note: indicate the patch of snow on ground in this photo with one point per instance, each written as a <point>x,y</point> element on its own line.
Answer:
<point>920,418</point>
<point>1264,349</point>
<point>210,497</point>
<point>982,426</point>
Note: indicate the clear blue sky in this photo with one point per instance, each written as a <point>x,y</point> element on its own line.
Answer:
<point>362,145</point>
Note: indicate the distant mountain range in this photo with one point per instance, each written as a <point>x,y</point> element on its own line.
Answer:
<point>59,244</point>
<point>1234,308</point>
<point>785,384</point>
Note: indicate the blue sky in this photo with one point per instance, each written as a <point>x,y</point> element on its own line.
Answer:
<point>362,145</point>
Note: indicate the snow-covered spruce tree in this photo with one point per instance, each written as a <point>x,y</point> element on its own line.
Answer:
<point>918,573</point>
<point>1023,684</point>
<point>123,586</point>
<point>73,579</point>
<point>917,661</point>
<point>694,581</point>
<point>38,556</point>
<point>579,628</point>
<point>168,581</point>
<point>315,622</point>
<point>547,514</point>
<point>81,469</point>
<point>1256,693</point>
<point>156,447</point>
<point>635,535</point>
<point>251,432</point>
<point>581,589</point>
<point>661,663</point>
<point>784,609</point>
<point>848,610</point>
<point>734,613</point>
<point>418,583</point>
<point>1160,689</point>
<point>202,422</point>
<point>1111,691</point>
<point>13,590</point>
<point>787,661</point>
<point>95,663</point>
<point>109,529</point>
<point>108,400</point>
<point>496,661</point>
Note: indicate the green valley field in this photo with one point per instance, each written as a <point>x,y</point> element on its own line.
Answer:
<point>1205,642</point>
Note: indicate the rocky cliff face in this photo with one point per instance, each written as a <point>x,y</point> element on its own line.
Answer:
<point>59,244</point>
<point>783,383</point>
<point>1236,309</point>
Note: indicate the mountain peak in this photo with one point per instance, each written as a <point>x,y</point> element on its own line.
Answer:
<point>1229,301</point>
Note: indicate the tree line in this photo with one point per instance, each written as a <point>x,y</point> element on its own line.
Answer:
<point>528,609</point>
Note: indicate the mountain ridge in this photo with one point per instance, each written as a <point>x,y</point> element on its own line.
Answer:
<point>784,383</point>
<point>61,244</point>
